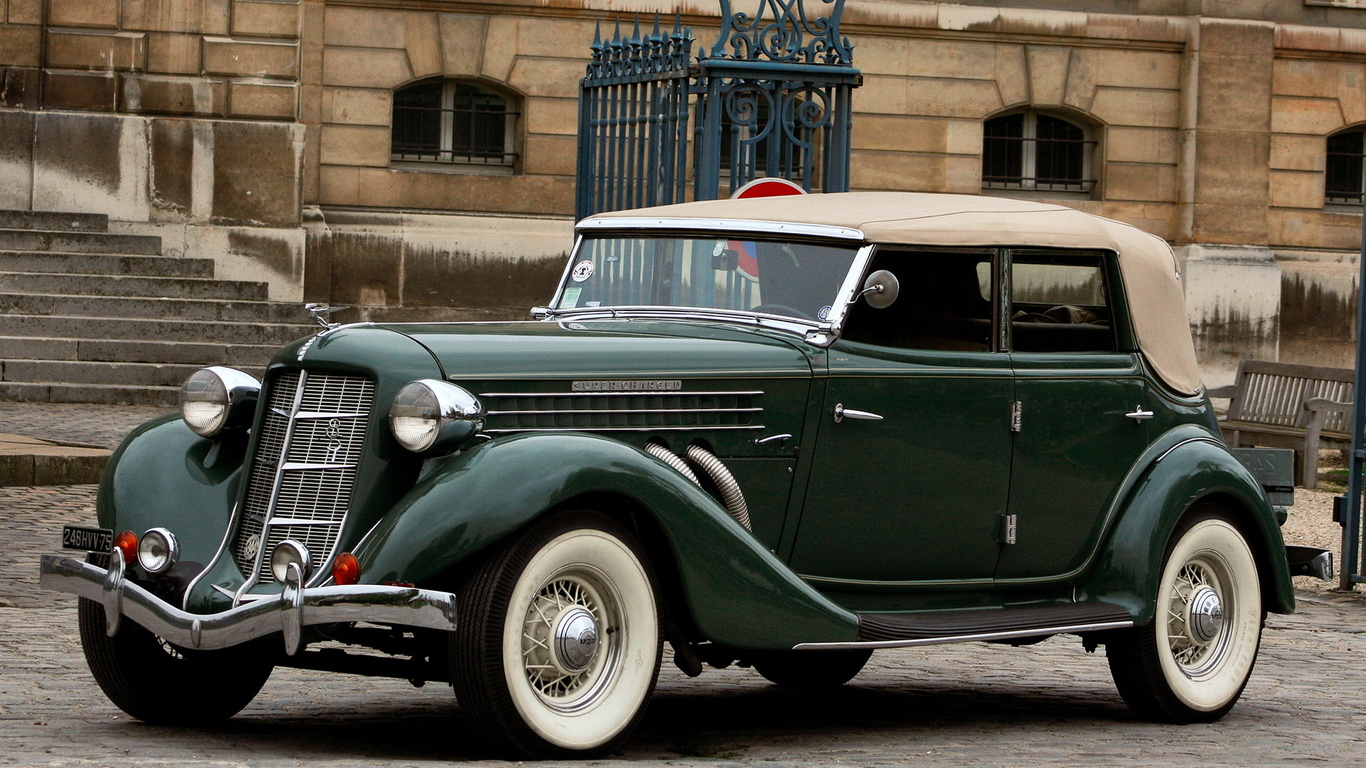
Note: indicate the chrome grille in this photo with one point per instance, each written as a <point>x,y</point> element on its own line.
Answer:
<point>304,466</point>
<point>622,411</point>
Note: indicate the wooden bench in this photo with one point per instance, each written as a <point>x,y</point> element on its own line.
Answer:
<point>1280,405</point>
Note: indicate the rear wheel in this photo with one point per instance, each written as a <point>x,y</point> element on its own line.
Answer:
<point>558,646</point>
<point>811,669</point>
<point>164,684</point>
<point>1192,662</point>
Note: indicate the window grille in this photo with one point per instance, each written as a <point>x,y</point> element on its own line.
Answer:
<point>453,123</point>
<point>1031,151</point>
<point>1342,184</point>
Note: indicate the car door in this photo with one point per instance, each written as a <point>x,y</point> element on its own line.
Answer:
<point>1083,413</point>
<point>910,471</point>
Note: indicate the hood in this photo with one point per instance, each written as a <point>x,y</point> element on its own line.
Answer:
<point>608,349</point>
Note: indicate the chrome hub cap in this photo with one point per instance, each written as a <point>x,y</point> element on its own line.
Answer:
<point>576,640</point>
<point>1205,615</point>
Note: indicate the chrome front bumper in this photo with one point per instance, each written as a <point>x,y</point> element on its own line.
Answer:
<point>294,609</point>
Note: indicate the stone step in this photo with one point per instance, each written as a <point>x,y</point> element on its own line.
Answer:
<point>151,308</point>
<point>106,394</point>
<point>79,242</point>
<point>125,285</point>
<point>136,351</point>
<point>68,263</point>
<point>53,221</point>
<point>78,372</point>
<point>182,331</point>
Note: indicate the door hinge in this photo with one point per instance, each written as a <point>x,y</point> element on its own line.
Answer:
<point>1016,415</point>
<point>1008,529</point>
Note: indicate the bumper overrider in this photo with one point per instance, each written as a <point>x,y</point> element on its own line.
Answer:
<point>295,608</point>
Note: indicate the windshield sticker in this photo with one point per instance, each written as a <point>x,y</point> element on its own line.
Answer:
<point>582,271</point>
<point>571,298</point>
<point>824,314</point>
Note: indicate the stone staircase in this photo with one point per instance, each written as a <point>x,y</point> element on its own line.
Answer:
<point>92,317</point>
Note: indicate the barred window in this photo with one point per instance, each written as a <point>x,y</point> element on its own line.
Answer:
<point>1036,152</point>
<point>1342,184</point>
<point>454,122</point>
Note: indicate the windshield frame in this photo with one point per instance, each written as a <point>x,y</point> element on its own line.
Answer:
<point>820,332</point>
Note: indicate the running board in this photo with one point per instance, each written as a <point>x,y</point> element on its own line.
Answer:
<point>902,630</point>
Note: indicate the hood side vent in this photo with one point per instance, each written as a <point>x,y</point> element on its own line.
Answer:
<point>621,411</point>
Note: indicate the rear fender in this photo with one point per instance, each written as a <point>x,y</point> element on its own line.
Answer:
<point>1192,467</point>
<point>737,592</point>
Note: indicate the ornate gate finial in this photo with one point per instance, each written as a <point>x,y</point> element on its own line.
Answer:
<point>780,30</point>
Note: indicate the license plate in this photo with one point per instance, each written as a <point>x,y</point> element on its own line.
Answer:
<point>89,539</point>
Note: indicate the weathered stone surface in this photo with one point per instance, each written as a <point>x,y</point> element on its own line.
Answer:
<point>881,55</point>
<point>363,28</point>
<point>547,77</point>
<point>1296,189</point>
<point>228,56</point>
<point>1012,75</point>
<point>898,171</point>
<point>949,59</point>
<point>209,17</point>
<point>24,11</point>
<point>1299,228</point>
<point>19,46</point>
<point>365,67</point>
<point>422,41</point>
<point>554,155</point>
<point>86,49</point>
<point>264,100</point>
<point>256,170</point>
<point>462,44</point>
<point>16,159</point>
<point>551,116</point>
<point>882,95</point>
<point>92,91</point>
<point>1232,168</point>
<point>425,190</point>
<point>173,53</point>
<point>265,19</point>
<point>364,265</point>
<point>1308,116</point>
<point>1139,182</point>
<point>356,145</point>
<point>1218,223</point>
<point>172,147</point>
<point>1122,106</point>
<point>499,48</point>
<point>1235,92</point>
<point>83,13</point>
<point>170,95</point>
<point>1142,145</point>
<point>91,163</point>
<point>356,106</point>
<point>952,98</point>
<point>1047,74</point>
<point>1298,153</point>
<point>19,87</point>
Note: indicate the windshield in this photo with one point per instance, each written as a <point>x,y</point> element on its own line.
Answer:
<point>792,279</point>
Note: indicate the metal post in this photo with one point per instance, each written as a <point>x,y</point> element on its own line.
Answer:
<point>1350,571</point>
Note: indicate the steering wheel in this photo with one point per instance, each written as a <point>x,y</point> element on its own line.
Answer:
<point>781,309</point>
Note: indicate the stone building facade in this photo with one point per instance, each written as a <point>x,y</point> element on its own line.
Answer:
<point>262,133</point>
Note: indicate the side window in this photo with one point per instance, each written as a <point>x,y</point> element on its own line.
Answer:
<point>941,305</point>
<point>1060,303</point>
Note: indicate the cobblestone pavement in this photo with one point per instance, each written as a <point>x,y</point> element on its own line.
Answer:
<point>963,705</point>
<point>103,426</point>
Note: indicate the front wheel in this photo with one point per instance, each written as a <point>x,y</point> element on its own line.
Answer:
<point>558,646</point>
<point>1192,662</point>
<point>163,684</point>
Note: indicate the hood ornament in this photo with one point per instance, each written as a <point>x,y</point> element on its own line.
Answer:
<point>319,313</point>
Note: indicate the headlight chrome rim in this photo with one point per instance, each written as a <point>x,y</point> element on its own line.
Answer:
<point>430,416</point>
<point>158,551</point>
<point>286,553</point>
<point>218,398</point>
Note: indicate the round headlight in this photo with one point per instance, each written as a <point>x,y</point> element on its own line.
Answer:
<point>286,553</point>
<point>218,398</point>
<point>432,416</point>
<point>158,550</point>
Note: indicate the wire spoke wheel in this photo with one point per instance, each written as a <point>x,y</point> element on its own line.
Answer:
<point>1193,661</point>
<point>559,646</point>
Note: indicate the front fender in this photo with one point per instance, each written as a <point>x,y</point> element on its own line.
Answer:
<point>737,592</point>
<point>165,475</point>
<point>1194,467</point>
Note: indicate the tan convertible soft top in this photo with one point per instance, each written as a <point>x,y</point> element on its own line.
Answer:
<point>1150,273</point>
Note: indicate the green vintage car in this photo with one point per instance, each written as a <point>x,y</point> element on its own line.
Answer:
<point>783,432</point>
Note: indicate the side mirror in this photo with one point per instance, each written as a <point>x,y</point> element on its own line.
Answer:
<point>880,289</point>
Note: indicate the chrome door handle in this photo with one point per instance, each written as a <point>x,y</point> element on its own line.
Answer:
<point>1139,414</point>
<point>842,413</point>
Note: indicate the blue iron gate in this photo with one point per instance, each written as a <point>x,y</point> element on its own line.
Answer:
<point>772,97</point>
